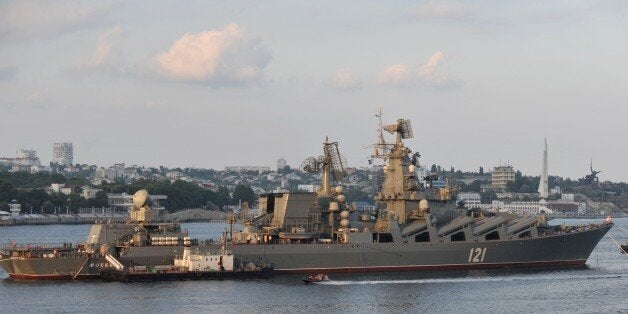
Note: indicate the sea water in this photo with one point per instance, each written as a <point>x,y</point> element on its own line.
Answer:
<point>601,287</point>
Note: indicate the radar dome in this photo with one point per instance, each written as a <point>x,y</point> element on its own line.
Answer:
<point>344,214</point>
<point>344,223</point>
<point>339,189</point>
<point>139,198</point>
<point>411,168</point>
<point>424,205</point>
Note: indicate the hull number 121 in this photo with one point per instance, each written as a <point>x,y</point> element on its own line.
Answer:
<point>476,255</point>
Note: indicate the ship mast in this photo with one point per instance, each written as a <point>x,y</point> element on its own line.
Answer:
<point>380,148</point>
<point>399,191</point>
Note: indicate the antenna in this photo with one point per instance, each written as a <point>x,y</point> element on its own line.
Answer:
<point>332,155</point>
<point>380,147</point>
<point>405,128</point>
<point>311,165</point>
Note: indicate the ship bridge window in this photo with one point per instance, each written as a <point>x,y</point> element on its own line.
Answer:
<point>382,237</point>
<point>458,236</point>
<point>422,237</point>
<point>492,236</point>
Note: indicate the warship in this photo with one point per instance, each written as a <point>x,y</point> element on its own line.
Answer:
<point>412,229</point>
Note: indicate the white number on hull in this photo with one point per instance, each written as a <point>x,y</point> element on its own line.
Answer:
<point>476,255</point>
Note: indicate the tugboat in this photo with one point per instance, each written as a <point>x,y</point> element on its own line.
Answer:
<point>314,278</point>
<point>190,266</point>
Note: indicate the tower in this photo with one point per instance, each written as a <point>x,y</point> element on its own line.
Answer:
<point>63,154</point>
<point>543,185</point>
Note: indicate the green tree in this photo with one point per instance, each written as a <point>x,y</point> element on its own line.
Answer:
<point>244,193</point>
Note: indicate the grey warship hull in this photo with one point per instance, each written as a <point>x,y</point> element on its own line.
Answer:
<point>564,250</point>
<point>572,249</point>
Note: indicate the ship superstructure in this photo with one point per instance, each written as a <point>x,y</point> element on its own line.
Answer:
<point>309,232</point>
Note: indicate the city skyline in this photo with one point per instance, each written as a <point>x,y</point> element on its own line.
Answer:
<point>482,82</point>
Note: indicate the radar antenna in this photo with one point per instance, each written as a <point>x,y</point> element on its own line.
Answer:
<point>403,128</point>
<point>331,163</point>
<point>334,160</point>
<point>311,165</point>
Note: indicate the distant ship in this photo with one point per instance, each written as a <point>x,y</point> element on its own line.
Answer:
<point>321,233</point>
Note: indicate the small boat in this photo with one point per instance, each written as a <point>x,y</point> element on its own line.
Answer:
<point>624,248</point>
<point>316,278</point>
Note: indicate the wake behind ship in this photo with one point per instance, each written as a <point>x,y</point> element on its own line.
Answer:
<point>320,232</point>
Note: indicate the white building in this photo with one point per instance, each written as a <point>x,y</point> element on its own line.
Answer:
<point>63,154</point>
<point>174,175</point>
<point>307,187</point>
<point>26,154</point>
<point>470,199</point>
<point>88,192</point>
<point>122,202</point>
<point>15,208</point>
<point>521,208</point>
<point>259,169</point>
<point>501,176</point>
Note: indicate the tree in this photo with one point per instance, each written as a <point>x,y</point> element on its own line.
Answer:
<point>223,196</point>
<point>244,193</point>
<point>7,191</point>
<point>433,168</point>
<point>481,170</point>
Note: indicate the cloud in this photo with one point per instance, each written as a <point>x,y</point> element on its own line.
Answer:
<point>8,73</point>
<point>395,75</point>
<point>103,56</point>
<point>441,10</point>
<point>429,75</point>
<point>22,20</point>
<point>345,80</point>
<point>227,56</point>
<point>429,68</point>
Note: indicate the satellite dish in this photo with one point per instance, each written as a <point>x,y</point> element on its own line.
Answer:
<point>139,199</point>
<point>310,165</point>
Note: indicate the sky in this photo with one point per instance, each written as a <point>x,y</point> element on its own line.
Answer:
<point>224,83</point>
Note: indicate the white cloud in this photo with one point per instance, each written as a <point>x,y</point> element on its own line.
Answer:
<point>441,10</point>
<point>345,80</point>
<point>225,56</point>
<point>430,75</point>
<point>429,68</point>
<point>395,75</point>
<point>103,54</point>
<point>27,19</point>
